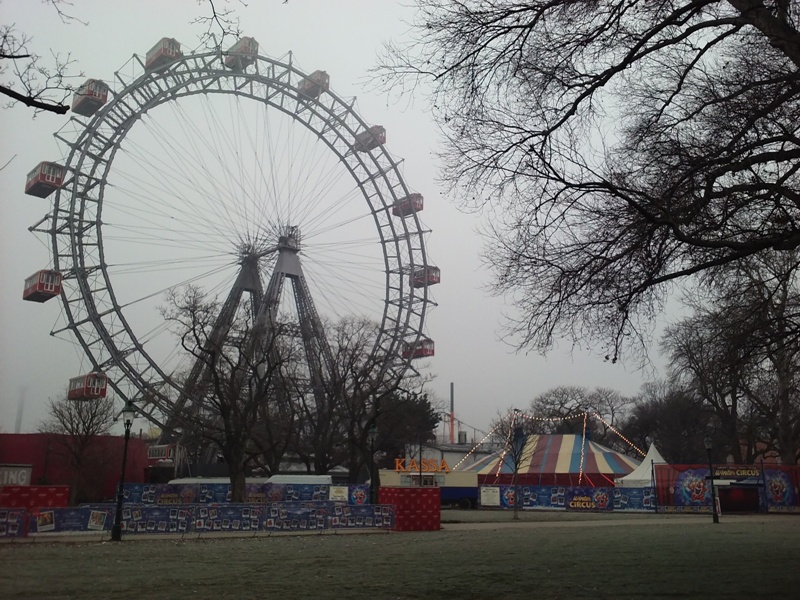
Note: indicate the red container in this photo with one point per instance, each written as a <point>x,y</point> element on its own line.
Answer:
<point>416,508</point>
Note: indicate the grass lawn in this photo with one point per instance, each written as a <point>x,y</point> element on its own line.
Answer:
<point>546,555</point>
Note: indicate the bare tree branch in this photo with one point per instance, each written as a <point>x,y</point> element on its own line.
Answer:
<point>620,147</point>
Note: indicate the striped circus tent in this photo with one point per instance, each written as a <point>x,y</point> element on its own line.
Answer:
<point>568,460</point>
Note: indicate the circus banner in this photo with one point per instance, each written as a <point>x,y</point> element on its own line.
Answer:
<point>543,496</point>
<point>229,517</point>
<point>635,499</point>
<point>286,517</point>
<point>200,518</point>
<point>54,520</point>
<point>369,516</point>
<point>682,488</point>
<point>782,489</point>
<point>156,519</point>
<point>687,488</point>
<point>219,493</point>
<point>588,499</point>
<point>359,494</point>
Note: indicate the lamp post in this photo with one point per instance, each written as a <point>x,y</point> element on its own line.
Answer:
<point>372,438</point>
<point>714,516</point>
<point>127,419</point>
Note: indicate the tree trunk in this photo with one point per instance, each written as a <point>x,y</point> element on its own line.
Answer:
<point>236,466</point>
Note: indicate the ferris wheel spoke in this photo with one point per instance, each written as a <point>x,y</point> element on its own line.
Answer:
<point>164,198</point>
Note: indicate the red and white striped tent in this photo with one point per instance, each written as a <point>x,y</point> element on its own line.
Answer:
<point>568,460</point>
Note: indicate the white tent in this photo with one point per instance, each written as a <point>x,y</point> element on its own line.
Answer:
<point>642,476</point>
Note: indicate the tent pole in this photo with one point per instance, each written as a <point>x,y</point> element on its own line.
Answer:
<point>653,481</point>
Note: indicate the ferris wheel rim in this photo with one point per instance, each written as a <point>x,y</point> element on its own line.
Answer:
<point>409,304</point>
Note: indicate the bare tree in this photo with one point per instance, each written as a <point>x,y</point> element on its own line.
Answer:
<point>242,371</point>
<point>26,76</point>
<point>741,350</point>
<point>512,432</point>
<point>620,145</point>
<point>673,418</point>
<point>564,408</point>
<point>337,419</point>
<point>712,366</point>
<point>76,426</point>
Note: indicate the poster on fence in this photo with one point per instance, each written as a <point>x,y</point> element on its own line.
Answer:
<point>229,517</point>
<point>490,495</point>
<point>782,493</point>
<point>635,499</point>
<point>359,494</point>
<point>294,517</point>
<point>339,493</point>
<point>56,520</point>
<point>12,522</point>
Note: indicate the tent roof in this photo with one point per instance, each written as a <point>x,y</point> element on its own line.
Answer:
<point>642,476</point>
<point>548,454</point>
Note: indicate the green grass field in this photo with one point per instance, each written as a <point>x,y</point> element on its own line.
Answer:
<point>482,555</point>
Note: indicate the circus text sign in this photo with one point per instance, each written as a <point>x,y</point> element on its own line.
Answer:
<point>429,465</point>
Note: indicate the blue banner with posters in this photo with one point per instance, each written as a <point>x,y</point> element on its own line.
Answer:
<point>635,499</point>
<point>361,516</point>
<point>84,518</point>
<point>581,498</point>
<point>13,522</point>
<point>219,493</point>
<point>201,518</point>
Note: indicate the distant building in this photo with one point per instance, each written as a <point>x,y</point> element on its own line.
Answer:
<point>95,481</point>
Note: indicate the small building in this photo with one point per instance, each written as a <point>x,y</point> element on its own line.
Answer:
<point>48,455</point>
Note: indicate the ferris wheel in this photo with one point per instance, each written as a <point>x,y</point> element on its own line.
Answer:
<point>235,173</point>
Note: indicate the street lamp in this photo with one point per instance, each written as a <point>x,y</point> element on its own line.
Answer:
<point>372,438</point>
<point>707,443</point>
<point>128,413</point>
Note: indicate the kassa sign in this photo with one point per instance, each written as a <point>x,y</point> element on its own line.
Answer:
<point>429,465</point>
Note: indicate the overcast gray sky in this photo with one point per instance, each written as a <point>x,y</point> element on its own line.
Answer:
<point>343,38</point>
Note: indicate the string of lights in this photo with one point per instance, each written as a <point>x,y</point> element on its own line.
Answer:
<point>515,414</point>
<point>552,419</point>
<point>476,446</point>
<point>509,439</point>
<point>583,449</point>
<point>622,437</point>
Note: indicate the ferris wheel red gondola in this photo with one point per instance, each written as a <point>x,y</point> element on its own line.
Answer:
<point>87,387</point>
<point>42,285</point>
<point>125,213</point>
